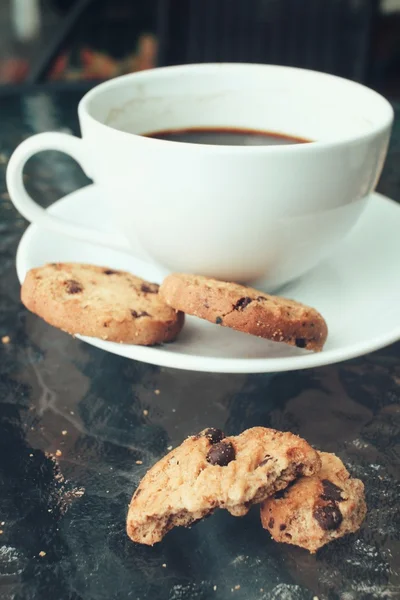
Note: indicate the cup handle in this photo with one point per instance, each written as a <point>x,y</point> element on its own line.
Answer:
<point>36,214</point>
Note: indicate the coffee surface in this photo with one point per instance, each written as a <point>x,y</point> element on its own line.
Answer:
<point>225,136</point>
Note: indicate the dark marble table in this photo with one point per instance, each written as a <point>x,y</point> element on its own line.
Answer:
<point>74,421</point>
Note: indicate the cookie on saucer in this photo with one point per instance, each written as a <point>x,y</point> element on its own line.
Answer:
<point>209,471</point>
<point>246,309</point>
<point>316,510</point>
<point>100,302</point>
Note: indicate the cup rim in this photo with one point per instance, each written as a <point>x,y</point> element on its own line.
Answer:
<point>384,124</point>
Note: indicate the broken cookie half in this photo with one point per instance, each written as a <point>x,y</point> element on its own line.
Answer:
<point>316,510</point>
<point>209,471</point>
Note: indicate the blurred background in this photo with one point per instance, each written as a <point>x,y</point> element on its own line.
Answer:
<point>85,41</point>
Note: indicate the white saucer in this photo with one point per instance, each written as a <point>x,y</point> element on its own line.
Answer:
<point>357,291</point>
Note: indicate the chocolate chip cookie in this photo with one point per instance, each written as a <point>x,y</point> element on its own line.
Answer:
<point>246,309</point>
<point>209,471</point>
<point>316,510</point>
<point>100,302</point>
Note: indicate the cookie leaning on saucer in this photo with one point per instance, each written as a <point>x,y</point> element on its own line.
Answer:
<point>246,309</point>
<point>316,510</point>
<point>100,302</point>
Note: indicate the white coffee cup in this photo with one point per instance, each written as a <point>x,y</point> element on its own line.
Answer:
<point>240,213</point>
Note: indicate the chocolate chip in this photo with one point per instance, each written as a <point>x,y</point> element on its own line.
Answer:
<point>328,517</point>
<point>109,272</point>
<point>266,459</point>
<point>301,342</point>
<point>149,288</point>
<point>73,286</point>
<point>221,454</point>
<point>331,491</point>
<point>137,315</point>
<point>214,435</point>
<point>271,523</point>
<point>242,303</point>
<point>282,527</point>
<point>218,320</point>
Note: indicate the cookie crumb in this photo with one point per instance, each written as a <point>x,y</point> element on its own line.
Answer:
<point>215,588</point>
<point>139,462</point>
<point>237,587</point>
<point>169,448</point>
<point>315,598</point>
<point>157,392</point>
<point>31,455</point>
<point>174,410</point>
<point>2,523</point>
<point>58,453</point>
<point>145,412</point>
<point>42,553</point>
<point>1,531</point>
<point>164,565</point>
<point>64,432</point>
<point>5,339</point>
<point>71,412</point>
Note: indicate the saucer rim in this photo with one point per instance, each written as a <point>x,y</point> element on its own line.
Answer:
<point>194,362</point>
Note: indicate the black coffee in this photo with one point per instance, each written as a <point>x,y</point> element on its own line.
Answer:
<point>226,136</point>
